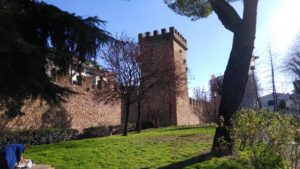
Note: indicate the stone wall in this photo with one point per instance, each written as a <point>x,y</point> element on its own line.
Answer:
<point>204,111</point>
<point>80,111</point>
<point>184,113</point>
<point>165,104</point>
<point>168,103</point>
<point>159,101</point>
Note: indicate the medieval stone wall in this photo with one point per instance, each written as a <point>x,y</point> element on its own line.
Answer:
<point>80,111</point>
<point>204,111</point>
<point>169,102</point>
<point>159,101</point>
<point>166,103</point>
<point>184,112</point>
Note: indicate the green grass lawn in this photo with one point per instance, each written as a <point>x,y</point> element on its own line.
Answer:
<point>150,149</point>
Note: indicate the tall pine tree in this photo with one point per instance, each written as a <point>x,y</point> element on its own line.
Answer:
<point>33,32</point>
<point>236,73</point>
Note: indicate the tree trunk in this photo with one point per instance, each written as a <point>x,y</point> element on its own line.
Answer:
<point>273,80</point>
<point>127,111</point>
<point>139,123</point>
<point>215,108</point>
<point>236,74</point>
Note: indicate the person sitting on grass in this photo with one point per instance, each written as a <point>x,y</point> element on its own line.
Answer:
<point>11,154</point>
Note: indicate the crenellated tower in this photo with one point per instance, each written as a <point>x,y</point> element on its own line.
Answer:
<point>164,60</point>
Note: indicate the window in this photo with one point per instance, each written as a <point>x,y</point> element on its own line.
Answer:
<point>99,86</point>
<point>271,103</point>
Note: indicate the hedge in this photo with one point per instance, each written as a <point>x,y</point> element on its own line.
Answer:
<point>55,135</point>
<point>100,131</point>
<point>37,136</point>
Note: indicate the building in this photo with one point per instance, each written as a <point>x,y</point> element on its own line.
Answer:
<point>288,101</point>
<point>167,103</point>
<point>250,97</point>
<point>93,77</point>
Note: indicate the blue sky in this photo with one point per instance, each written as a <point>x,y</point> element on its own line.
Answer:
<point>209,42</point>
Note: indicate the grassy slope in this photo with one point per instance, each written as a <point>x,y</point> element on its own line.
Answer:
<point>150,149</point>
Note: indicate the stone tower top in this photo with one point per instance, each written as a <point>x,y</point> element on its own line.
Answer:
<point>172,34</point>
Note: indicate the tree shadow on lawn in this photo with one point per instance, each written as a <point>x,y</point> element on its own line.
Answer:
<point>189,127</point>
<point>181,164</point>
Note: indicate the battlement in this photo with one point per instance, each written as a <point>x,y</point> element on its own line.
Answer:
<point>164,35</point>
<point>194,102</point>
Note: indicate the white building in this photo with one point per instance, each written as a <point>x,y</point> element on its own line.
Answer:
<point>291,101</point>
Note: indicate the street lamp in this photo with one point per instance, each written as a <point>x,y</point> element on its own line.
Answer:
<point>252,64</point>
<point>252,67</point>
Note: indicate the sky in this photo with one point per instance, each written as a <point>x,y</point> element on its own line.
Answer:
<point>209,43</point>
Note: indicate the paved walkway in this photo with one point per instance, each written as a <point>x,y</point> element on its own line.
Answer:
<point>40,166</point>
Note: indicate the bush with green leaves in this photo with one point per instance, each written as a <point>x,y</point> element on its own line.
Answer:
<point>100,131</point>
<point>264,157</point>
<point>97,131</point>
<point>265,136</point>
<point>37,136</point>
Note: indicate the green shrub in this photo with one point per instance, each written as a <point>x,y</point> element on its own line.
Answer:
<point>263,140</point>
<point>260,158</point>
<point>97,131</point>
<point>263,157</point>
<point>274,129</point>
<point>37,136</point>
<point>120,128</point>
<point>54,135</point>
<point>100,131</point>
<point>265,136</point>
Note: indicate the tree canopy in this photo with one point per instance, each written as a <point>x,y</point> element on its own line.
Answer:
<point>293,63</point>
<point>236,73</point>
<point>122,59</point>
<point>197,9</point>
<point>32,33</point>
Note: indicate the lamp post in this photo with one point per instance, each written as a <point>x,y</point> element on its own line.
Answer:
<point>252,67</point>
<point>215,105</point>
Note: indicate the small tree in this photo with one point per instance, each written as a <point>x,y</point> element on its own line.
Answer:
<point>121,58</point>
<point>293,63</point>
<point>202,96</point>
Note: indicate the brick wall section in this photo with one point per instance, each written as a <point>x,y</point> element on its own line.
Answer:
<point>163,105</point>
<point>169,104</point>
<point>79,112</point>
<point>203,111</point>
<point>185,115</point>
<point>159,101</point>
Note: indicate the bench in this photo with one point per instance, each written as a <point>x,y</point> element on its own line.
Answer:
<point>41,166</point>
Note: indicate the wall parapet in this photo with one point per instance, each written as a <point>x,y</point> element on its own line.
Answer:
<point>164,35</point>
<point>194,102</point>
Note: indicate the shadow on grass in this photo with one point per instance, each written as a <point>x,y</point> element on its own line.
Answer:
<point>190,127</point>
<point>181,164</point>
